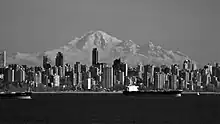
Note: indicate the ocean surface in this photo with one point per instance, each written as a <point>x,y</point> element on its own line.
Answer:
<point>110,109</point>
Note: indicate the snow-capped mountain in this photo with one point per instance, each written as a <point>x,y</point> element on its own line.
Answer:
<point>109,47</point>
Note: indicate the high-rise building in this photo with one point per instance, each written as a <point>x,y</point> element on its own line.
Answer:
<point>166,70</point>
<point>156,80</point>
<point>37,78</point>
<point>117,65</point>
<point>79,78</point>
<point>9,75</point>
<point>173,82</point>
<point>46,62</point>
<point>126,69</point>
<point>194,66</point>
<point>167,81</point>
<point>2,59</point>
<point>56,80</point>
<point>162,80</point>
<point>94,56</point>
<point>45,80</point>
<point>121,77</point>
<point>107,77</point>
<point>55,70</point>
<point>157,69</point>
<point>60,71</point>
<point>145,76</point>
<point>50,70</point>
<point>186,64</point>
<point>20,75</point>
<point>59,59</point>
<point>74,79</point>
<point>77,67</point>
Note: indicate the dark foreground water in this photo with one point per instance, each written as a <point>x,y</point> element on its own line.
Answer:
<point>110,109</point>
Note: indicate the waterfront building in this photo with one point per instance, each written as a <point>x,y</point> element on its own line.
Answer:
<point>88,84</point>
<point>8,75</point>
<point>218,83</point>
<point>20,75</point>
<point>173,82</point>
<point>37,78</point>
<point>56,80</point>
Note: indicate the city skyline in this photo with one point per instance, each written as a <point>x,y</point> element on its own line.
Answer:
<point>188,26</point>
<point>110,77</point>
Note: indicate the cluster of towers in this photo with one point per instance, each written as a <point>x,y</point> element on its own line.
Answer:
<point>105,76</point>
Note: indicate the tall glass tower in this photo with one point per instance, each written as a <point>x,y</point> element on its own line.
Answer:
<point>94,56</point>
<point>59,59</point>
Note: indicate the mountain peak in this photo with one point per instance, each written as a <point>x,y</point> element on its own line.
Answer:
<point>92,38</point>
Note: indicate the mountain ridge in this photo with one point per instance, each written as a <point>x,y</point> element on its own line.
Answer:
<point>109,47</point>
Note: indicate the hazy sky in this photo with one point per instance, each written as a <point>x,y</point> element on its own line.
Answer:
<point>192,26</point>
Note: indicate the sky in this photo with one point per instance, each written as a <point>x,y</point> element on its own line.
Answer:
<point>190,26</point>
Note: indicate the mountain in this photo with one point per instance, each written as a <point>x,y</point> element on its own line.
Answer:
<point>109,47</point>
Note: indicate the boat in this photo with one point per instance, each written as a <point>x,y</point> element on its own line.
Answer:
<point>134,91</point>
<point>15,95</point>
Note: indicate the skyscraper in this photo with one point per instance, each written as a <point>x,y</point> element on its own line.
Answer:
<point>59,59</point>
<point>46,63</point>
<point>2,59</point>
<point>94,56</point>
<point>186,64</point>
<point>156,80</point>
<point>107,79</point>
<point>8,75</point>
<point>145,76</point>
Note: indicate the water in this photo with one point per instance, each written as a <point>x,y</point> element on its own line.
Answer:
<point>110,109</point>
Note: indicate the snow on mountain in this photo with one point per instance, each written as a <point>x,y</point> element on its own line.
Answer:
<point>109,47</point>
